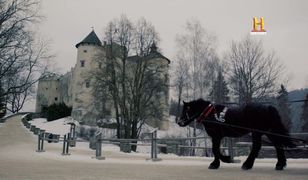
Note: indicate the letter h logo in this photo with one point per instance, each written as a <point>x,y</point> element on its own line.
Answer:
<point>259,23</point>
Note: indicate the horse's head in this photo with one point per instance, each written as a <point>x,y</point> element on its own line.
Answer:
<point>191,111</point>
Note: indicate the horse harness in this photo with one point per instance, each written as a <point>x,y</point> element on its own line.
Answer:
<point>206,112</point>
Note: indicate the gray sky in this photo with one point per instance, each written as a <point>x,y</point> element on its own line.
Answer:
<point>69,21</point>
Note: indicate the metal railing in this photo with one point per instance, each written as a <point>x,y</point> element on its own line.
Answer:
<point>69,140</point>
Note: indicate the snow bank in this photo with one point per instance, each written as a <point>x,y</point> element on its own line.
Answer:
<point>59,126</point>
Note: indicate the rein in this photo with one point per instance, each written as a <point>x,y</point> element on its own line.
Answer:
<point>205,113</point>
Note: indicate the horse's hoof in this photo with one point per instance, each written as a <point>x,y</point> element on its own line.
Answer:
<point>213,166</point>
<point>245,167</point>
<point>280,167</point>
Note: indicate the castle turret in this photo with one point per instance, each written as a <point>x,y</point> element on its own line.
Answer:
<point>83,106</point>
<point>91,39</point>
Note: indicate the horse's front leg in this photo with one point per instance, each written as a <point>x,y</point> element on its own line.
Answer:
<point>215,148</point>
<point>256,146</point>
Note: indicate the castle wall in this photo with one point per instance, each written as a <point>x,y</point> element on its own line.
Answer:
<point>47,93</point>
<point>65,88</point>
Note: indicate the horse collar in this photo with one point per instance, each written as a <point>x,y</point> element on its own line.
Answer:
<point>221,115</point>
<point>205,113</point>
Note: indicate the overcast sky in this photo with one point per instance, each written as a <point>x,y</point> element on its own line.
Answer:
<point>69,21</point>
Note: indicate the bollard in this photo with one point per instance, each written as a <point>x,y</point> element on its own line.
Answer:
<point>98,149</point>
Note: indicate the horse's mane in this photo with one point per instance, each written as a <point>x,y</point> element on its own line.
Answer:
<point>200,100</point>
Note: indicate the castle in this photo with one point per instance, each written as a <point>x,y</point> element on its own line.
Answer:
<point>75,90</point>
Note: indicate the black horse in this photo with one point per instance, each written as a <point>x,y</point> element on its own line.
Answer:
<point>220,121</point>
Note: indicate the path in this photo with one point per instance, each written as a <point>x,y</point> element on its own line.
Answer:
<point>18,160</point>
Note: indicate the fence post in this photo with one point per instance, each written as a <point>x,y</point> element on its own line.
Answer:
<point>72,143</point>
<point>42,132</point>
<point>65,144</point>
<point>155,143</point>
<point>40,144</point>
<point>154,146</point>
<point>230,149</point>
<point>98,149</point>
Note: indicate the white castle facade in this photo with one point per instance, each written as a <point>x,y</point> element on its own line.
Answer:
<point>76,91</point>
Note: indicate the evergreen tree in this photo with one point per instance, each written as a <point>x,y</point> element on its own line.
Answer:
<point>304,116</point>
<point>2,102</point>
<point>220,90</point>
<point>284,107</point>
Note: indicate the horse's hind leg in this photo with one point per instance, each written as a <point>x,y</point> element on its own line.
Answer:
<point>215,148</point>
<point>282,161</point>
<point>256,146</point>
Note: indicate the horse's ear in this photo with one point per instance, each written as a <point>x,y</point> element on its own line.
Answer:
<point>184,102</point>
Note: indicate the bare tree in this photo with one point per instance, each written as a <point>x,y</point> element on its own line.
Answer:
<point>197,47</point>
<point>180,80</point>
<point>21,57</point>
<point>254,74</point>
<point>132,83</point>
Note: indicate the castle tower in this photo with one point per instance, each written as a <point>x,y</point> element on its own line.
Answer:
<point>82,84</point>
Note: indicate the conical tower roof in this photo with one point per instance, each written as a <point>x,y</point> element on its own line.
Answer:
<point>90,39</point>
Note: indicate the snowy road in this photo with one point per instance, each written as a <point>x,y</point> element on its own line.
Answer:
<point>18,160</point>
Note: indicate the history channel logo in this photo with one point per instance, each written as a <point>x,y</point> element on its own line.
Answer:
<point>258,26</point>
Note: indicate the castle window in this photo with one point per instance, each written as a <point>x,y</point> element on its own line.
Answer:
<point>56,99</point>
<point>46,88</point>
<point>100,65</point>
<point>87,84</point>
<point>85,51</point>
<point>82,63</point>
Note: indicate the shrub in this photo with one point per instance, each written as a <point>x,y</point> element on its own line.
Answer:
<point>57,111</point>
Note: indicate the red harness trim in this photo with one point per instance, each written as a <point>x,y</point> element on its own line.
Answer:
<point>205,113</point>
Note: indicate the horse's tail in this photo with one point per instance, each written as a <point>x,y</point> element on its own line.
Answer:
<point>279,133</point>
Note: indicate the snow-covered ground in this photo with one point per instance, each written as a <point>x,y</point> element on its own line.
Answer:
<point>59,126</point>
<point>62,127</point>
<point>20,161</point>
